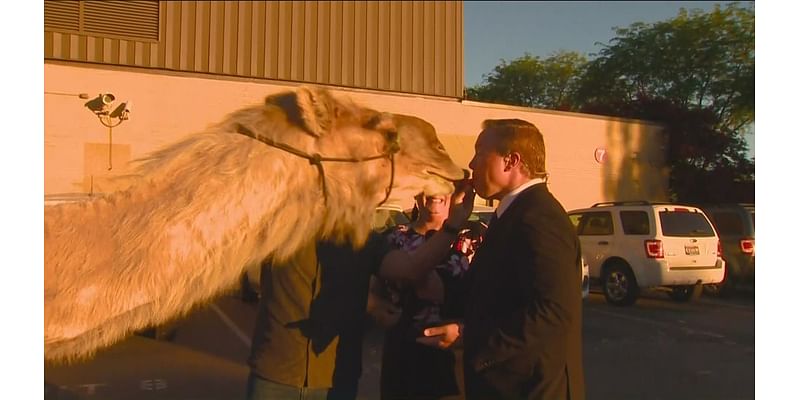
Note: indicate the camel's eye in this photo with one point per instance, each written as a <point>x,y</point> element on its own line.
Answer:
<point>394,143</point>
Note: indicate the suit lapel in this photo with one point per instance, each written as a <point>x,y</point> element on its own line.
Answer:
<point>499,226</point>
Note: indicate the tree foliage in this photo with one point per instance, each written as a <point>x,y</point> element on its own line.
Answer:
<point>696,60</point>
<point>694,74</point>
<point>532,82</point>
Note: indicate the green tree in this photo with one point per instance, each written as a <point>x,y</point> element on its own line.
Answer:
<point>694,74</point>
<point>697,60</point>
<point>532,82</point>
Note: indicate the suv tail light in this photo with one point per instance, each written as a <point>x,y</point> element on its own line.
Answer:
<point>654,249</point>
<point>719,248</point>
<point>748,246</point>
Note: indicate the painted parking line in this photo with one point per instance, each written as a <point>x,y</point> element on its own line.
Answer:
<point>232,326</point>
<point>686,330</point>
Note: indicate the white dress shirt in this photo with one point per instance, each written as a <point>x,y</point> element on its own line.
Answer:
<point>506,201</point>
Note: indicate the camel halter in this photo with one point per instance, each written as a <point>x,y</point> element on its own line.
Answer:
<point>316,159</point>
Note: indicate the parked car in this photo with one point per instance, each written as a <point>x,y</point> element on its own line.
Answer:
<point>584,278</point>
<point>482,213</point>
<point>638,244</point>
<point>736,227</point>
<point>388,216</point>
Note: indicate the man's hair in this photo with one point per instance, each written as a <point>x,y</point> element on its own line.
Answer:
<point>522,137</point>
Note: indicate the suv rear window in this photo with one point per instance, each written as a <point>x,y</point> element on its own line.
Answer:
<point>596,223</point>
<point>684,223</point>
<point>635,222</point>
<point>727,223</point>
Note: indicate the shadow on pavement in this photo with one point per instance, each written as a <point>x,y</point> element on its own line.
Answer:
<point>142,368</point>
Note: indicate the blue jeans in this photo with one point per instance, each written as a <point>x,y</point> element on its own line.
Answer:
<point>262,389</point>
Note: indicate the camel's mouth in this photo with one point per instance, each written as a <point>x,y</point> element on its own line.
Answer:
<point>465,175</point>
<point>436,182</point>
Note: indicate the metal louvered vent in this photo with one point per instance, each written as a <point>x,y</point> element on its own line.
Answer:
<point>135,19</point>
<point>62,15</point>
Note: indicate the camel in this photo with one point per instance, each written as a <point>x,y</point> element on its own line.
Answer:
<point>268,179</point>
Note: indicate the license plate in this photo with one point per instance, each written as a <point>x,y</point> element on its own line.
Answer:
<point>692,251</point>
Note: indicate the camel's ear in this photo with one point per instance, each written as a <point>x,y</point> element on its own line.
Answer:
<point>317,109</point>
<point>310,108</point>
<point>382,122</point>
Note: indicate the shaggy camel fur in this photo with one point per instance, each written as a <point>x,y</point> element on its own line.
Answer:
<point>205,208</point>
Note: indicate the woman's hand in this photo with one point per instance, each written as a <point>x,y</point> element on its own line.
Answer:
<point>461,203</point>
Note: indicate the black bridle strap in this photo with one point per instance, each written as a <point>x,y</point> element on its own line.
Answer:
<point>316,159</point>
<point>394,148</point>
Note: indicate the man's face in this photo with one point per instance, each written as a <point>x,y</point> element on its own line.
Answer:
<point>489,172</point>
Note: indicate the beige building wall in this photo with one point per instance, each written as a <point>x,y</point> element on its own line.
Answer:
<point>167,106</point>
<point>405,46</point>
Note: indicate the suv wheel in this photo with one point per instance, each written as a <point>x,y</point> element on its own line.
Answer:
<point>619,285</point>
<point>684,293</point>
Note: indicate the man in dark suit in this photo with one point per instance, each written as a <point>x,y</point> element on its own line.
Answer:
<point>522,326</point>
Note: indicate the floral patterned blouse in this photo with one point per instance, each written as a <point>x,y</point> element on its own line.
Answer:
<point>453,268</point>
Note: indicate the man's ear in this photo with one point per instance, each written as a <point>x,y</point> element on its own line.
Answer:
<point>512,160</point>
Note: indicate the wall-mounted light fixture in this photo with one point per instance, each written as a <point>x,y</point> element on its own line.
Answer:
<point>103,107</point>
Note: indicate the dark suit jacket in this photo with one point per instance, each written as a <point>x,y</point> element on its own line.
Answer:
<point>522,325</point>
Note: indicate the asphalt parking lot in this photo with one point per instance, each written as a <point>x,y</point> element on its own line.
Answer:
<point>657,349</point>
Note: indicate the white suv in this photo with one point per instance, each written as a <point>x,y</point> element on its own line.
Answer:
<point>639,244</point>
